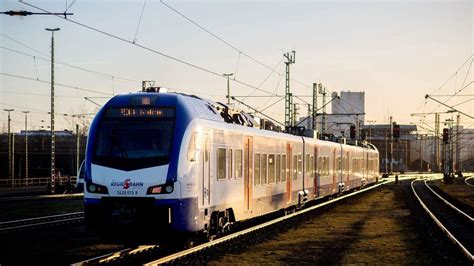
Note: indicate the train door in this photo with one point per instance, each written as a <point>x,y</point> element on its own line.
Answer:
<point>248,155</point>
<point>288,173</point>
<point>315,172</point>
<point>206,166</point>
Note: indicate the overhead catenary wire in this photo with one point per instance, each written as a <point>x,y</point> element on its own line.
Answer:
<point>57,84</point>
<point>226,42</point>
<point>67,64</point>
<point>139,22</point>
<point>147,48</point>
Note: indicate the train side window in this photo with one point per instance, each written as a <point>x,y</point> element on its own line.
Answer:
<point>300,164</point>
<point>311,166</point>
<point>229,169</point>
<point>256,169</point>
<point>284,168</point>
<point>271,168</point>
<point>278,168</point>
<point>238,164</point>
<point>221,163</point>
<point>263,175</point>
<point>295,163</point>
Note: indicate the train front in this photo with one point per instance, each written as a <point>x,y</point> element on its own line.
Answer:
<point>131,165</point>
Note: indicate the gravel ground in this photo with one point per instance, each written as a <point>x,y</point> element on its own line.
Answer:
<point>384,226</point>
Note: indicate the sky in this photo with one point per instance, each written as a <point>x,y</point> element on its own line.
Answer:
<point>394,51</point>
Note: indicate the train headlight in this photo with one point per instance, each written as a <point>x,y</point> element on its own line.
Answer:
<point>161,189</point>
<point>95,188</point>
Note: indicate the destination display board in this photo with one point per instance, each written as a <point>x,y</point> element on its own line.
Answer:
<point>140,112</point>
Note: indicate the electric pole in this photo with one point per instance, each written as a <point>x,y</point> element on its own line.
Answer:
<point>9,145</point>
<point>295,113</point>
<point>391,145</point>
<point>315,105</point>
<point>77,151</point>
<point>458,146</point>
<point>322,90</point>
<point>228,86</point>
<point>26,145</point>
<point>53,140</point>
<point>290,59</point>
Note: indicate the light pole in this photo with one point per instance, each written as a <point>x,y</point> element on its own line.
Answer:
<point>53,147</point>
<point>26,145</point>
<point>10,172</point>
<point>228,86</point>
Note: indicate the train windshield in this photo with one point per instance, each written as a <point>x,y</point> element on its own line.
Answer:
<point>134,138</point>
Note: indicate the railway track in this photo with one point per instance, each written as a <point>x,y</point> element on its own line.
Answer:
<point>41,221</point>
<point>155,255</point>
<point>469,181</point>
<point>453,221</point>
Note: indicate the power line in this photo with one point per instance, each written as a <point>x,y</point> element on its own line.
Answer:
<point>227,43</point>
<point>57,84</point>
<point>148,49</point>
<point>61,62</point>
<point>139,22</point>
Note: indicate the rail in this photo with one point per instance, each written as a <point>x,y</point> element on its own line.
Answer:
<point>36,182</point>
<point>449,203</point>
<point>443,228</point>
<point>467,183</point>
<point>41,221</point>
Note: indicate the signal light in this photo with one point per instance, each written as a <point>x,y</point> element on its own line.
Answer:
<point>445,135</point>
<point>353,132</point>
<point>396,131</point>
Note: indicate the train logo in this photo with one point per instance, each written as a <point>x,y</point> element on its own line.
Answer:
<point>126,184</point>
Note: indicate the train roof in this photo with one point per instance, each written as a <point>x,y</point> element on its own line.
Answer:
<point>197,107</point>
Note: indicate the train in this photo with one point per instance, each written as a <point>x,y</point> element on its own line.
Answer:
<point>180,163</point>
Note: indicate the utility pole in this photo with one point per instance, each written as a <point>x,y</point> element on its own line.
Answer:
<point>290,59</point>
<point>295,113</point>
<point>315,105</point>
<point>436,143</point>
<point>13,159</point>
<point>9,144</point>
<point>391,145</point>
<point>53,139</point>
<point>386,151</point>
<point>26,145</point>
<point>322,90</point>
<point>309,114</point>
<point>77,151</point>
<point>228,86</point>
<point>458,146</point>
<point>421,153</point>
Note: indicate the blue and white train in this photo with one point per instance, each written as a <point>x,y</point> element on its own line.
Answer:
<point>184,164</point>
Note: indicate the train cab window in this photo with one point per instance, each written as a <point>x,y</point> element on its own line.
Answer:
<point>256,169</point>
<point>229,169</point>
<point>300,164</point>
<point>278,168</point>
<point>271,168</point>
<point>221,163</point>
<point>263,175</point>
<point>238,164</point>
<point>284,168</point>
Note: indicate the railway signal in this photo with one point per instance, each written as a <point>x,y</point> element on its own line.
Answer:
<point>396,131</point>
<point>445,135</point>
<point>353,132</point>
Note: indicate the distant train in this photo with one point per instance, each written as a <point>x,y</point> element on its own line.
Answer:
<point>189,165</point>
